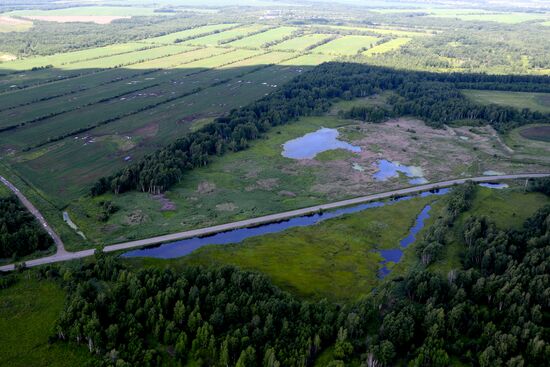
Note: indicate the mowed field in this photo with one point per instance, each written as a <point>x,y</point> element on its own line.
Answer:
<point>534,101</point>
<point>68,119</point>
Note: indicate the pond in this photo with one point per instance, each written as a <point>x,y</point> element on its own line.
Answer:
<point>394,255</point>
<point>388,169</point>
<point>186,246</point>
<point>309,145</point>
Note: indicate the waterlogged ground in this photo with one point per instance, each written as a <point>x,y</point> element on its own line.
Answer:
<point>261,180</point>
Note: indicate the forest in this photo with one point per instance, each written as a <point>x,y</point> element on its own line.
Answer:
<point>434,97</point>
<point>490,312</point>
<point>20,233</point>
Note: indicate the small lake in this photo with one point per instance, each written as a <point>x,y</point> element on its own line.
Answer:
<point>309,145</point>
<point>185,247</point>
<point>395,255</point>
<point>388,169</point>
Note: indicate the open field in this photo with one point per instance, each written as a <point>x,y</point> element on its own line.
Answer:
<point>302,43</point>
<point>10,24</point>
<point>227,36</point>
<point>261,39</point>
<point>534,101</point>
<point>260,180</point>
<point>391,45</point>
<point>486,16</point>
<point>189,33</point>
<point>29,310</point>
<point>523,148</point>
<point>347,45</point>
<point>541,133</point>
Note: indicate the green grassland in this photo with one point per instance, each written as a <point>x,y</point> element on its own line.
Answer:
<point>217,38</point>
<point>9,24</point>
<point>522,148</point>
<point>260,39</point>
<point>534,101</point>
<point>189,33</point>
<point>486,16</point>
<point>301,43</point>
<point>29,310</point>
<point>384,31</point>
<point>391,45</point>
<point>334,259</point>
<point>347,45</point>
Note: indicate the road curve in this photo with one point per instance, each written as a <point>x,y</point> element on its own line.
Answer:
<point>32,209</point>
<point>65,256</point>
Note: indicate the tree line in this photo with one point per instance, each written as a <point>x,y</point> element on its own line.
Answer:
<point>434,97</point>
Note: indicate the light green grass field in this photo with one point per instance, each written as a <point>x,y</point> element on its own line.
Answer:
<point>29,310</point>
<point>260,39</point>
<point>301,43</point>
<point>534,101</point>
<point>347,45</point>
<point>217,38</point>
<point>391,45</point>
<point>385,31</point>
<point>193,32</point>
<point>10,24</point>
<point>334,259</point>
<point>486,16</point>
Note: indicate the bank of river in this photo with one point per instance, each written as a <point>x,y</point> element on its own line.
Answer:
<point>185,247</point>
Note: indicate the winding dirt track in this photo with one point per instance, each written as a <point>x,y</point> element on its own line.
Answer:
<point>63,255</point>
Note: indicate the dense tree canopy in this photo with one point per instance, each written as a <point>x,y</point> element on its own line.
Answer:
<point>20,233</point>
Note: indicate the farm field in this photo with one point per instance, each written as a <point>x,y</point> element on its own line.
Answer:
<point>228,35</point>
<point>10,24</point>
<point>347,45</point>
<point>534,101</point>
<point>391,45</point>
<point>115,11</point>
<point>261,39</point>
<point>302,43</point>
<point>189,33</point>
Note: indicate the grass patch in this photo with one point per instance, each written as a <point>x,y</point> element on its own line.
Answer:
<point>391,45</point>
<point>29,310</point>
<point>541,133</point>
<point>347,45</point>
<point>533,101</point>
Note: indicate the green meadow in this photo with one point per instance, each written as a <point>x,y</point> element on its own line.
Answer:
<point>534,101</point>
<point>29,311</point>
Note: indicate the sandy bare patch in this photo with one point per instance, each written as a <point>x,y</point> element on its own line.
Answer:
<point>226,207</point>
<point>7,57</point>
<point>13,21</point>
<point>206,187</point>
<point>167,204</point>
<point>98,19</point>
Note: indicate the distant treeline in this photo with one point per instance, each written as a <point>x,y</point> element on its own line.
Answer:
<point>436,98</point>
<point>490,311</point>
<point>20,233</point>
